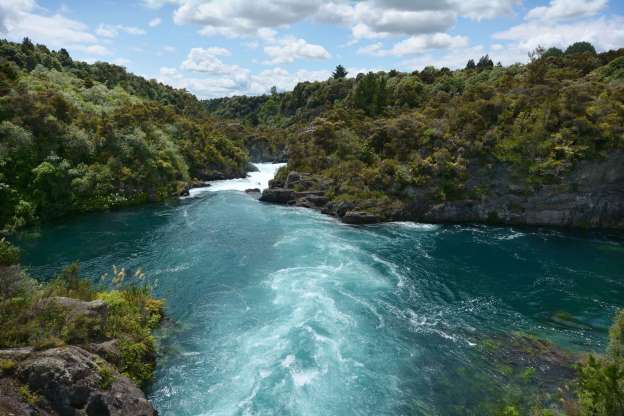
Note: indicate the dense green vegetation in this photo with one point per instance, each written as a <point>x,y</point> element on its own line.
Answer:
<point>77,137</point>
<point>381,137</point>
<point>31,316</point>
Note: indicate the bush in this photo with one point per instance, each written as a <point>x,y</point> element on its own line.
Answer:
<point>580,47</point>
<point>9,254</point>
<point>601,380</point>
<point>28,317</point>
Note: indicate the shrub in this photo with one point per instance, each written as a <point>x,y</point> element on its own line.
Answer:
<point>30,397</point>
<point>601,380</point>
<point>107,377</point>
<point>7,366</point>
<point>9,254</point>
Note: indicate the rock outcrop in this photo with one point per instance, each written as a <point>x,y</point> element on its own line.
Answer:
<point>67,381</point>
<point>591,196</point>
<point>70,380</point>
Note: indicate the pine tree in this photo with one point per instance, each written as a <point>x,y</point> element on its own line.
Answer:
<point>340,72</point>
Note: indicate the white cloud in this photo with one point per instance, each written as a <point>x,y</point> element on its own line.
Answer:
<point>24,18</point>
<point>112,31</point>
<point>367,18</point>
<point>155,22</point>
<point>240,83</point>
<point>603,33</point>
<point>336,13</point>
<point>417,44</point>
<point>97,50</point>
<point>454,60</point>
<point>484,9</point>
<point>159,3</point>
<point>121,61</point>
<point>567,9</point>
<point>207,60</point>
<point>243,17</point>
<point>374,21</point>
<point>283,79</point>
<point>289,49</point>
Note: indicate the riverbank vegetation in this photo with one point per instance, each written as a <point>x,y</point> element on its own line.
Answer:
<point>437,135</point>
<point>78,137</point>
<point>594,388</point>
<point>120,314</point>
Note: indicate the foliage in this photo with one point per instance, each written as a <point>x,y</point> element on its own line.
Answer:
<point>370,94</point>
<point>580,47</point>
<point>29,316</point>
<point>29,396</point>
<point>383,139</point>
<point>76,137</point>
<point>7,366</point>
<point>601,380</point>
<point>340,72</point>
<point>9,254</point>
<point>107,378</point>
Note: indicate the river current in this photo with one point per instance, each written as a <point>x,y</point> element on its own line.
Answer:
<point>284,311</point>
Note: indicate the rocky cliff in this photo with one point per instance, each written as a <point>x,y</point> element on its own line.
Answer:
<point>591,196</point>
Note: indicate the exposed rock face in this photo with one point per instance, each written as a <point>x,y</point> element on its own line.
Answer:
<point>358,217</point>
<point>70,380</point>
<point>591,196</point>
<point>278,195</point>
<point>67,381</point>
<point>76,309</point>
<point>185,191</point>
<point>263,151</point>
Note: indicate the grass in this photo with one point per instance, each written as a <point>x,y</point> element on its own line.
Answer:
<point>30,317</point>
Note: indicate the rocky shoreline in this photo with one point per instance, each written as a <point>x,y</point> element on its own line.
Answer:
<point>590,197</point>
<point>70,379</point>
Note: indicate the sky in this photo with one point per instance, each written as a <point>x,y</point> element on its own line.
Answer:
<point>217,48</point>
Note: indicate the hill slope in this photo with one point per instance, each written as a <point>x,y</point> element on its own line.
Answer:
<point>76,137</point>
<point>539,144</point>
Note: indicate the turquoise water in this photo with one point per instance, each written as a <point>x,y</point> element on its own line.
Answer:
<point>283,311</point>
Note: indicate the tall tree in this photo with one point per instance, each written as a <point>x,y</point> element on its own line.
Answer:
<point>580,47</point>
<point>340,72</point>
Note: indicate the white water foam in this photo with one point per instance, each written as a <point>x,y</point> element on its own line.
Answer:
<point>259,180</point>
<point>416,225</point>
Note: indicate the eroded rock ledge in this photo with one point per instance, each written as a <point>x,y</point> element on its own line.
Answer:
<point>591,196</point>
<point>69,380</point>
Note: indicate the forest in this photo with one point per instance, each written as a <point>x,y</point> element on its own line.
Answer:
<point>379,138</point>
<point>78,137</point>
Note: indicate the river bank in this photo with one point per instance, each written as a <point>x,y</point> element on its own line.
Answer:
<point>590,197</point>
<point>70,347</point>
<point>286,310</point>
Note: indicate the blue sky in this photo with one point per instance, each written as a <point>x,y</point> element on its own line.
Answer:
<point>226,47</point>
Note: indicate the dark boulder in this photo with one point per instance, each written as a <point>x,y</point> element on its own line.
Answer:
<point>359,218</point>
<point>69,381</point>
<point>342,207</point>
<point>315,200</point>
<point>278,195</point>
<point>275,183</point>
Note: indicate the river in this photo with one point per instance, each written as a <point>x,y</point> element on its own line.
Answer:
<point>284,311</point>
